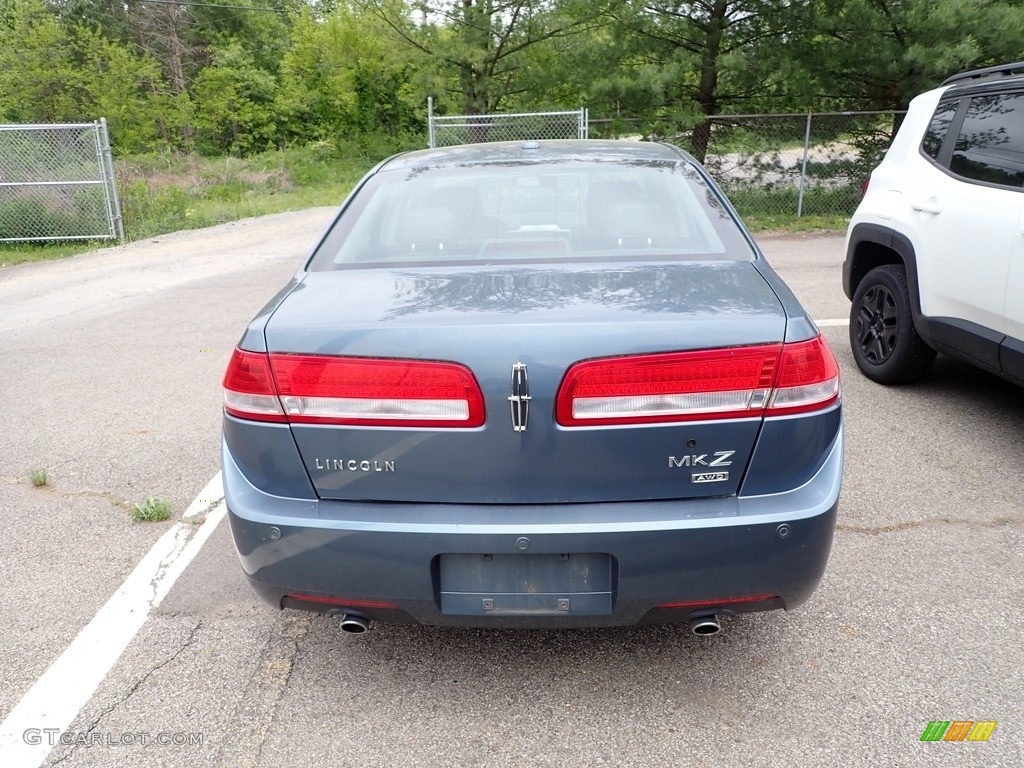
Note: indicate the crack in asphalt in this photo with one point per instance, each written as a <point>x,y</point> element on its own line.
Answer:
<point>113,498</point>
<point>189,641</point>
<point>258,705</point>
<point>999,522</point>
<point>51,488</point>
<point>199,516</point>
<point>183,534</point>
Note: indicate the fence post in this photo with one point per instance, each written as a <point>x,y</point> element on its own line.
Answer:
<point>430,122</point>
<point>803,167</point>
<point>110,183</point>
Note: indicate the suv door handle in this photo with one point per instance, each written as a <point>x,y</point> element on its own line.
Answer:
<point>931,205</point>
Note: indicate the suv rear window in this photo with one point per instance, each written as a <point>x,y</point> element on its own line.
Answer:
<point>990,146</point>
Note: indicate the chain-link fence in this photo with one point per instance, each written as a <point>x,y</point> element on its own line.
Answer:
<point>809,164</point>
<point>812,164</point>
<point>448,130</point>
<point>57,183</point>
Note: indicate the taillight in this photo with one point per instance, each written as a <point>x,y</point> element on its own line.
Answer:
<point>249,391</point>
<point>319,389</point>
<point>673,386</point>
<point>736,382</point>
<point>807,380</point>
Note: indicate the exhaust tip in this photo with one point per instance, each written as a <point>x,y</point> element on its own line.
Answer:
<point>353,624</point>
<point>705,626</point>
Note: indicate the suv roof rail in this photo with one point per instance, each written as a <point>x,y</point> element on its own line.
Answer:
<point>1003,70</point>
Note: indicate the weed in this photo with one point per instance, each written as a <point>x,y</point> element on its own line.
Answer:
<point>152,510</point>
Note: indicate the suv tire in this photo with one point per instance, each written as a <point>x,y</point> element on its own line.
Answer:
<point>884,341</point>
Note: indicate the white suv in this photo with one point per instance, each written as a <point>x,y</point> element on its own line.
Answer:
<point>935,251</point>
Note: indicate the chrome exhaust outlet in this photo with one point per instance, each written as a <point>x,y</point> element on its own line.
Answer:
<point>353,624</point>
<point>705,626</point>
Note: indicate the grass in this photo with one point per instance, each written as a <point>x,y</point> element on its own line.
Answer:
<point>169,192</point>
<point>39,477</point>
<point>765,208</point>
<point>166,193</point>
<point>151,510</point>
<point>25,253</point>
<point>753,200</point>
<point>781,222</point>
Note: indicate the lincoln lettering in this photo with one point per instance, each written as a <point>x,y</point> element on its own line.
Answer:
<point>356,465</point>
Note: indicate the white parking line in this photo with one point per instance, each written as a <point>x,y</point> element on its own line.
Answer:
<point>55,699</point>
<point>833,323</point>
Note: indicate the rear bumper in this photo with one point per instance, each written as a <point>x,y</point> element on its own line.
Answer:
<point>668,560</point>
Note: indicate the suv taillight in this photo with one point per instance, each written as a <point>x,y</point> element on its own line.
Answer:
<point>321,389</point>
<point>730,383</point>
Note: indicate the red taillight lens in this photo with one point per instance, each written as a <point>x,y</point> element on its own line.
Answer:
<point>673,386</point>
<point>695,604</point>
<point>808,378</point>
<point>249,388</point>
<point>382,392</point>
<point>730,383</point>
<point>348,602</point>
<point>318,389</point>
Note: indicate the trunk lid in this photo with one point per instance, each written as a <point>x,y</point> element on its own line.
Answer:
<point>545,318</point>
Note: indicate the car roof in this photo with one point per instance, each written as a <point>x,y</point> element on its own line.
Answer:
<point>538,151</point>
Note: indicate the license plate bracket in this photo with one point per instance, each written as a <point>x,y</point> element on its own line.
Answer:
<point>567,584</point>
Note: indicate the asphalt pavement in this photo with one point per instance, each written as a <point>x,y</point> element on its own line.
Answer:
<point>111,365</point>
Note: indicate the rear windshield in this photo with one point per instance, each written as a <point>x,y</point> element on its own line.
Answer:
<point>499,213</point>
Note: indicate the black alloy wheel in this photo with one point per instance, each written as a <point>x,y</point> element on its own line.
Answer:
<point>877,324</point>
<point>883,338</point>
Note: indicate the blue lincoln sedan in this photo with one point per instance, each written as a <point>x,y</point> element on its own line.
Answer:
<point>535,384</point>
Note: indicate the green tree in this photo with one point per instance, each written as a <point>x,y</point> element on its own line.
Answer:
<point>123,87</point>
<point>262,27</point>
<point>188,40</point>
<point>234,101</point>
<point>683,61</point>
<point>39,81</point>
<point>482,48</point>
<point>107,17</point>
<point>877,54</point>
<point>56,72</point>
<point>343,76</point>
